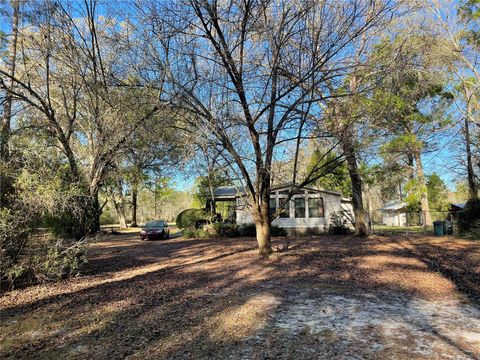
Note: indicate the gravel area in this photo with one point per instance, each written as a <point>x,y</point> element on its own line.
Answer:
<point>324,298</point>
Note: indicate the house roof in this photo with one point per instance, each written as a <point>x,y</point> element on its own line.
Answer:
<point>287,186</point>
<point>230,192</point>
<point>458,205</point>
<point>394,206</point>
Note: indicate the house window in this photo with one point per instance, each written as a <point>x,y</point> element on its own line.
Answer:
<point>273,207</point>
<point>299,207</point>
<point>285,205</point>
<point>315,207</point>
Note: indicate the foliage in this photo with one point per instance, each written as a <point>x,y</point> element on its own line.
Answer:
<point>437,193</point>
<point>28,256</point>
<point>469,12</point>
<point>469,219</point>
<point>62,263</point>
<point>247,230</point>
<point>278,231</point>
<point>192,233</point>
<point>414,192</point>
<point>43,197</point>
<point>225,230</point>
<point>339,224</point>
<point>203,183</point>
<point>191,218</point>
<point>250,230</point>
<point>336,179</point>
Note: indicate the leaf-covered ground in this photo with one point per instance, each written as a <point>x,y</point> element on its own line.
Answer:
<point>324,298</point>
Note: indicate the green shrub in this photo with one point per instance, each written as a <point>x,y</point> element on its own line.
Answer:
<point>469,219</point>
<point>473,232</point>
<point>192,233</point>
<point>247,230</point>
<point>191,218</point>
<point>63,263</point>
<point>339,224</point>
<point>278,231</point>
<point>250,230</point>
<point>225,230</point>
<point>107,218</point>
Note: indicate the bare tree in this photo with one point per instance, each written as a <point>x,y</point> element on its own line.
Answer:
<point>253,77</point>
<point>72,78</point>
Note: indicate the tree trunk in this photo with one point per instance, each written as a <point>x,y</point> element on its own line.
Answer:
<point>122,219</point>
<point>262,218</point>
<point>472,186</point>
<point>264,237</point>
<point>7,111</point>
<point>355,178</point>
<point>120,210</point>
<point>411,166</point>
<point>427,219</point>
<point>95,212</point>
<point>134,205</point>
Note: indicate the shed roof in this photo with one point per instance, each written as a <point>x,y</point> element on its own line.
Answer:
<point>394,206</point>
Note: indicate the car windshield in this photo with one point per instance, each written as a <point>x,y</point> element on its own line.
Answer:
<point>154,224</point>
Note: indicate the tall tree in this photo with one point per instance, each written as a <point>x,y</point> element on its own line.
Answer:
<point>458,27</point>
<point>415,99</point>
<point>7,103</point>
<point>77,95</point>
<point>252,76</point>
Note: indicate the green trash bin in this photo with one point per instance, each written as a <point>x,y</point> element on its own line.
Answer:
<point>448,227</point>
<point>439,228</point>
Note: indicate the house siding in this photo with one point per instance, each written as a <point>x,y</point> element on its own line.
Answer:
<point>394,218</point>
<point>331,202</point>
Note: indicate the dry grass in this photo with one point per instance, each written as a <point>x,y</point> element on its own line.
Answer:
<point>211,298</point>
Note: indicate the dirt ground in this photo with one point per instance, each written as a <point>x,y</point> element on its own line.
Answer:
<point>324,298</point>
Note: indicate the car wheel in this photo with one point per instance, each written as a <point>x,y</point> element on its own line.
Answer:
<point>142,238</point>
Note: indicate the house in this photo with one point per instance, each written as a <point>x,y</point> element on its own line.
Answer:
<point>309,209</point>
<point>395,214</point>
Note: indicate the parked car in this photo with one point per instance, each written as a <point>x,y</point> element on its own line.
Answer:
<point>155,229</point>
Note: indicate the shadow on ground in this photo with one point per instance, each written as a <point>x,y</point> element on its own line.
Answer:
<point>328,297</point>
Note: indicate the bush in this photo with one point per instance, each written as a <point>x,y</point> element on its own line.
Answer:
<point>247,230</point>
<point>339,224</point>
<point>250,230</point>
<point>14,233</point>
<point>278,231</point>
<point>225,230</point>
<point>469,220</point>
<point>191,218</point>
<point>62,263</point>
<point>192,233</point>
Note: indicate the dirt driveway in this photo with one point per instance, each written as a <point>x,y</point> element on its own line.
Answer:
<point>325,298</point>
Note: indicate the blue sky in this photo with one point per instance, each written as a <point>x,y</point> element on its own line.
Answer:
<point>438,161</point>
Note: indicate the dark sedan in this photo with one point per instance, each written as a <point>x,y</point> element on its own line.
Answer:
<point>156,229</point>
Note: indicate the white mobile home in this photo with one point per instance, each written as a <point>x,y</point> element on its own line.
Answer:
<point>309,210</point>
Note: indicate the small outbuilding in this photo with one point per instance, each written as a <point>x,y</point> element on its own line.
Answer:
<point>395,214</point>
<point>454,209</point>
